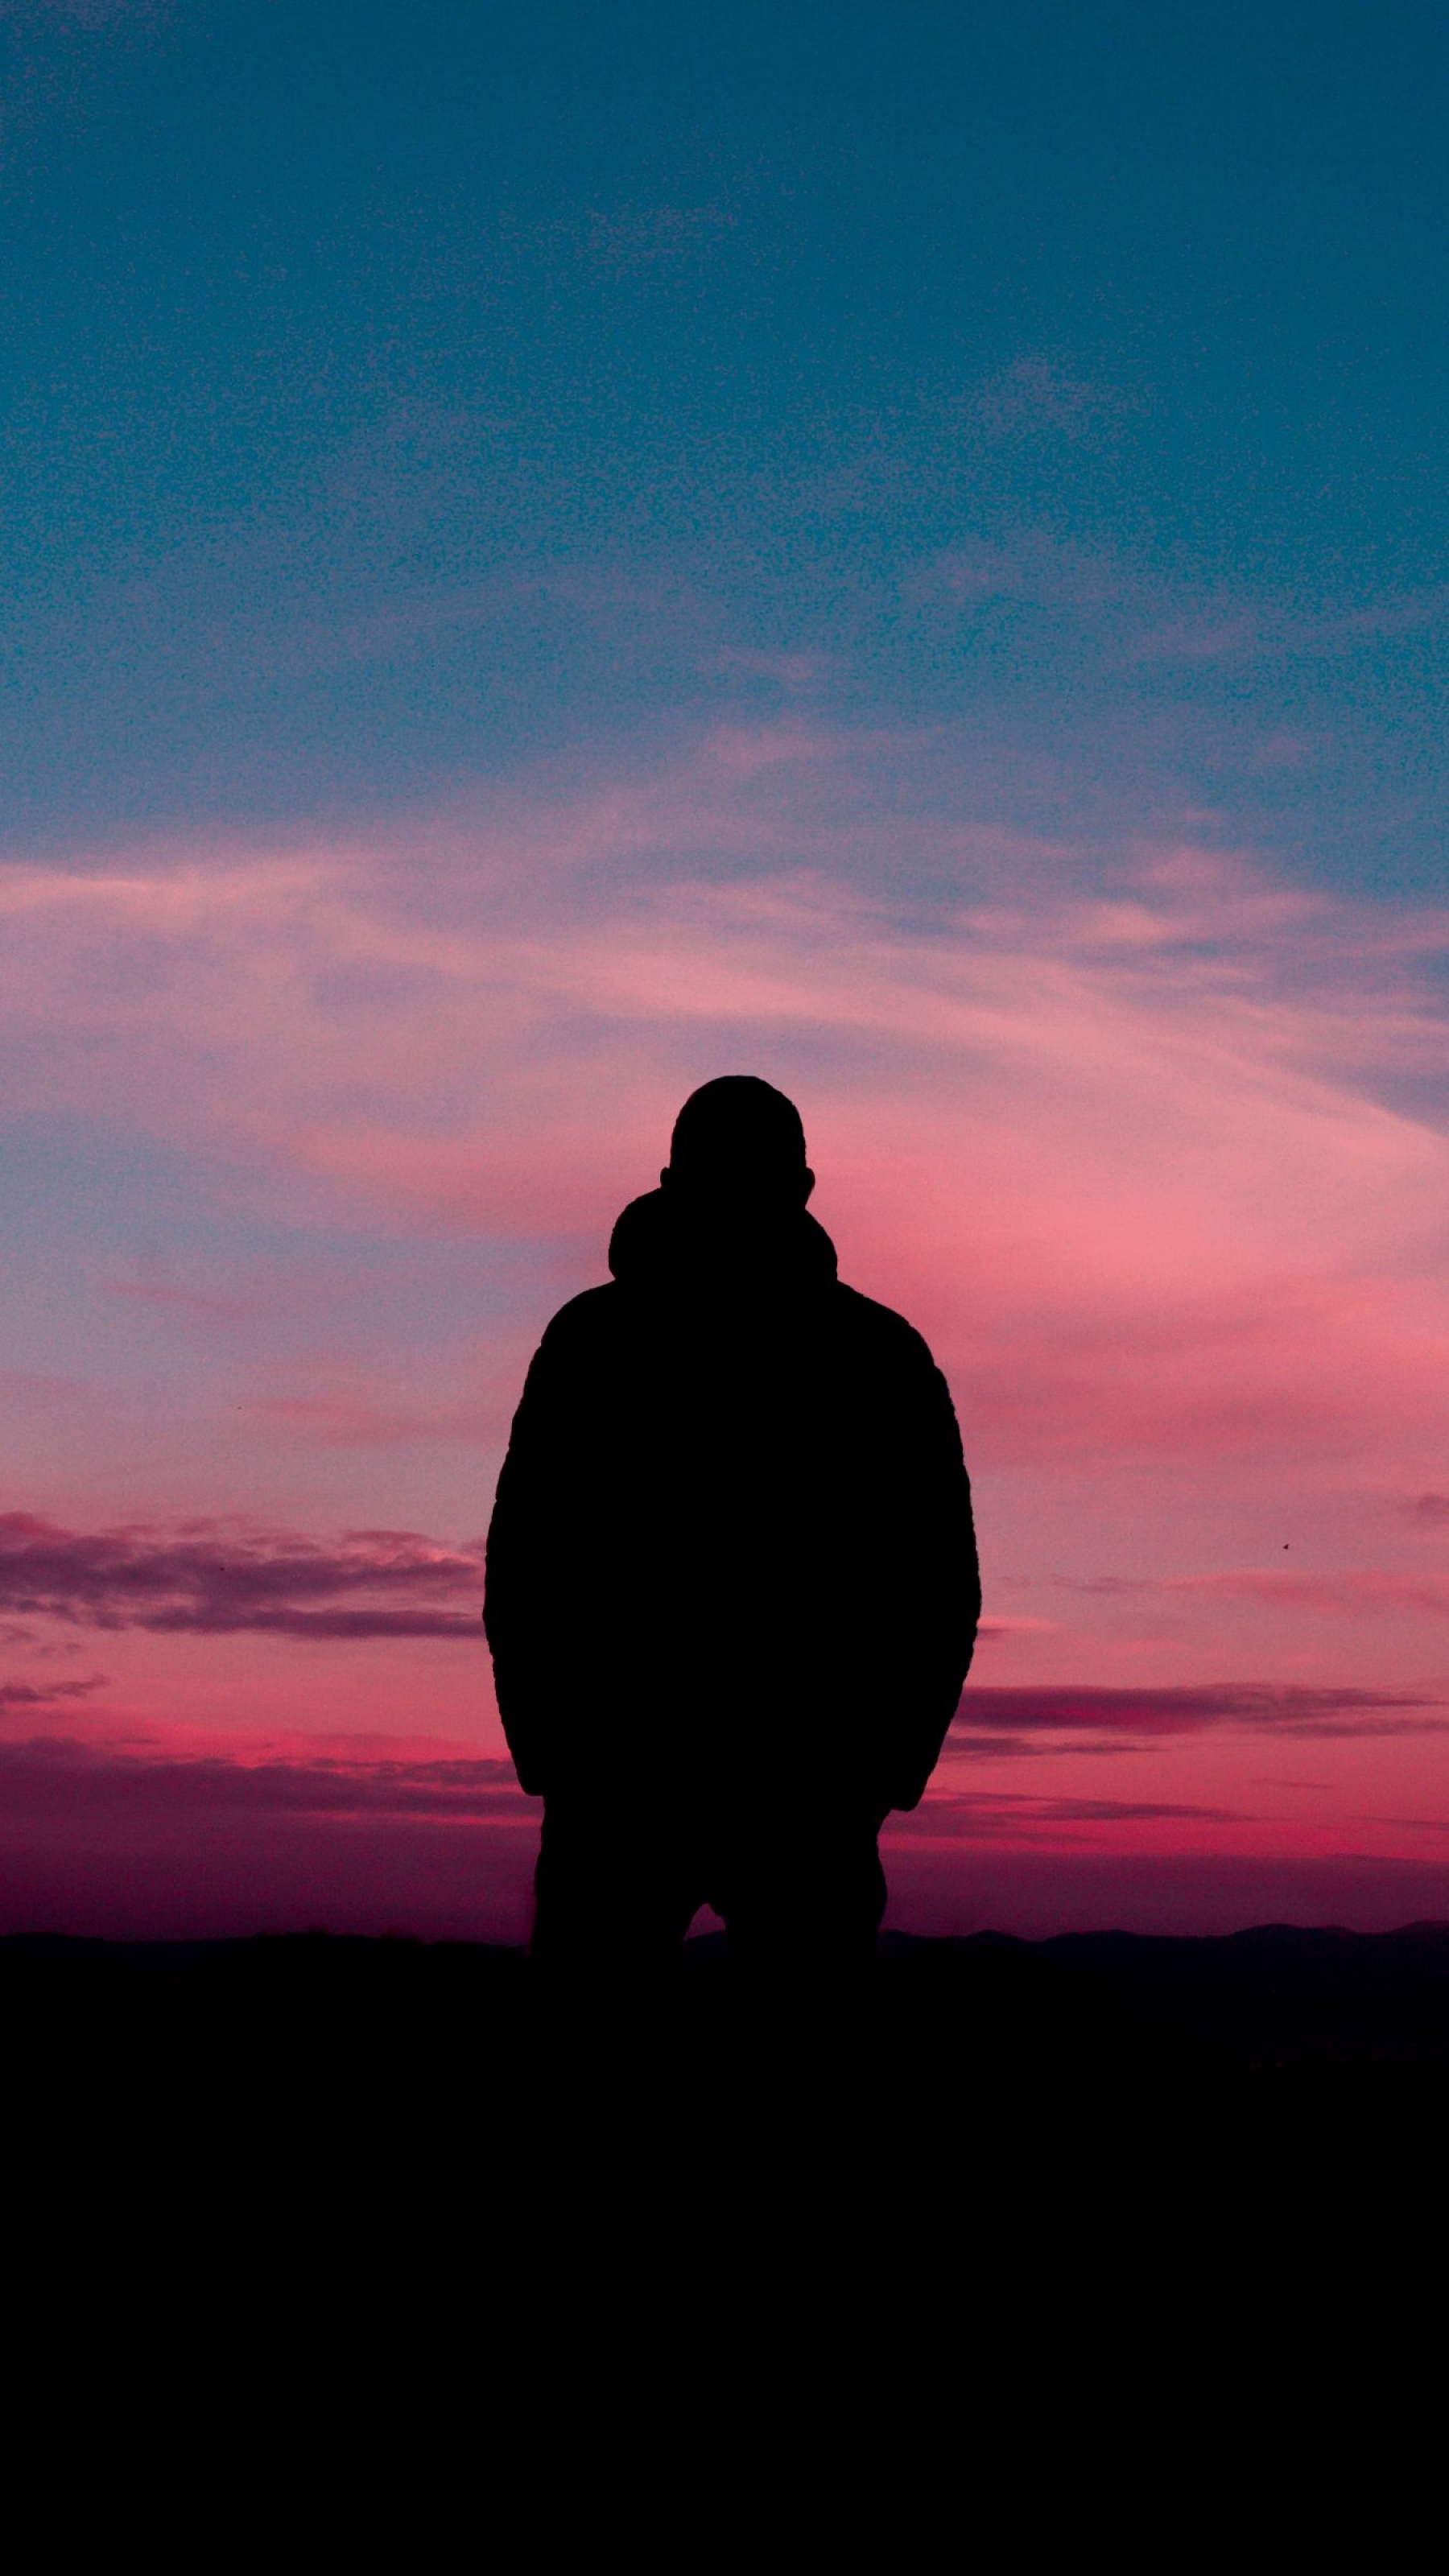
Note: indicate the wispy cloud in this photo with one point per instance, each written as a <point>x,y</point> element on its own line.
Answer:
<point>1131,1138</point>
<point>347,1419</point>
<point>1256,631</point>
<point>68,1778</point>
<point>993,1718</point>
<point>1348,1592</point>
<point>643,237</point>
<point>28,1697</point>
<point>1042,389</point>
<point>1004,1818</point>
<point>222,1576</point>
<point>1031,570</point>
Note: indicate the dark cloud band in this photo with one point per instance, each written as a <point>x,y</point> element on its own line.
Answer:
<point>991,1719</point>
<point>220,1577</point>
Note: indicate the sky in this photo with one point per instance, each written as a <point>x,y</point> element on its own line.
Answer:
<point>553,552</point>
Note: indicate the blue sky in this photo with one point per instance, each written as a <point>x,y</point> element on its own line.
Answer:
<point>400,396</point>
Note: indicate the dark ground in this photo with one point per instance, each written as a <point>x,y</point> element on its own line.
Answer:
<point>1047,2214</point>
<point>254,2058</point>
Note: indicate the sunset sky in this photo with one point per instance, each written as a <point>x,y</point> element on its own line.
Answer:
<point>554,551</point>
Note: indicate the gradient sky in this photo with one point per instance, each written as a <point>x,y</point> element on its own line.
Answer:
<point>553,552</point>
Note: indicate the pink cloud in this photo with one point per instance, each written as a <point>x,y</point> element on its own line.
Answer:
<point>1124,1153</point>
<point>1140,1143</point>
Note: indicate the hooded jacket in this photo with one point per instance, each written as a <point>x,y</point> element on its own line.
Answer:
<point>732,1547</point>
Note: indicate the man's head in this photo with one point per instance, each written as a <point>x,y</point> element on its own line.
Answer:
<point>740,1140</point>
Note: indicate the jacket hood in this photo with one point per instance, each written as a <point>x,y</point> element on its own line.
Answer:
<point>662,1241</point>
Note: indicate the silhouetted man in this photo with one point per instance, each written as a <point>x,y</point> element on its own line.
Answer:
<point>732,1588</point>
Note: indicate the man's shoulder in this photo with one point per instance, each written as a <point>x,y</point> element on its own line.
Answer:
<point>880,1330</point>
<point>583,1320</point>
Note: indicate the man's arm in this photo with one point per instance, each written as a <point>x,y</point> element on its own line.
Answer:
<point>529,1614</point>
<point>939,1596</point>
